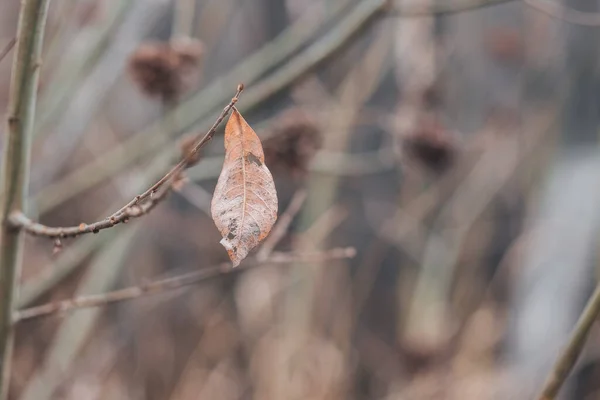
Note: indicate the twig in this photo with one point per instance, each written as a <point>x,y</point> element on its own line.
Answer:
<point>562,13</point>
<point>75,66</point>
<point>71,258</point>
<point>453,7</point>
<point>183,18</point>
<point>15,171</point>
<point>7,48</point>
<point>563,366</point>
<point>552,9</point>
<point>140,205</point>
<point>162,285</point>
<point>283,223</point>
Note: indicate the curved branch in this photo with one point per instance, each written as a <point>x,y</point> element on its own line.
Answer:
<point>139,206</point>
<point>176,282</point>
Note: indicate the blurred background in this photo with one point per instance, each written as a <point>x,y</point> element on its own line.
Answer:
<point>453,144</point>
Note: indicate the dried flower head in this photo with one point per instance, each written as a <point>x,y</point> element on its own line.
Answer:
<point>292,143</point>
<point>430,145</point>
<point>166,70</point>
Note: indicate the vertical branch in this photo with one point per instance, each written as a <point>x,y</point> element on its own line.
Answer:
<point>15,170</point>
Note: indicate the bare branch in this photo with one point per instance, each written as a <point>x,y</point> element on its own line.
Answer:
<point>176,282</point>
<point>140,205</point>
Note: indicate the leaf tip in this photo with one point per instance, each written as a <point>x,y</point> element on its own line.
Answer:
<point>231,251</point>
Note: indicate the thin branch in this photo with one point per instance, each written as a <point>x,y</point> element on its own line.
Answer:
<point>552,9</point>
<point>453,7</point>
<point>140,205</point>
<point>565,363</point>
<point>566,14</point>
<point>283,223</point>
<point>15,168</point>
<point>7,48</point>
<point>176,282</point>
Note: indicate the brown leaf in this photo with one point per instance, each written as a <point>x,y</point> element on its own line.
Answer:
<point>244,205</point>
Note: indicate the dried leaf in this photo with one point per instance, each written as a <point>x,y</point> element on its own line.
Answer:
<point>244,205</point>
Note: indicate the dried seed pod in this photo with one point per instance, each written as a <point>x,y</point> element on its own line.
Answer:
<point>166,70</point>
<point>153,67</point>
<point>292,143</point>
<point>431,146</point>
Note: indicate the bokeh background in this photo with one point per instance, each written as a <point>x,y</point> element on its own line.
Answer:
<point>453,144</point>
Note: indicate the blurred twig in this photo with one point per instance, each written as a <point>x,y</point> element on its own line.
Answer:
<point>177,282</point>
<point>76,66</point>
<point>552,9</point>
<point>183,17</point>
<point>15,169</point>
<point>563,366</point>
<point>141,205</point>
<point>452,7</point>
<point>283,223</point>
<point>7,48</point>
<point>428,311</point>
<point>563,13</point>
<point>359,84</point>
<point>197,196</point>
<point>73,332</point>
<point>72,256</point>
